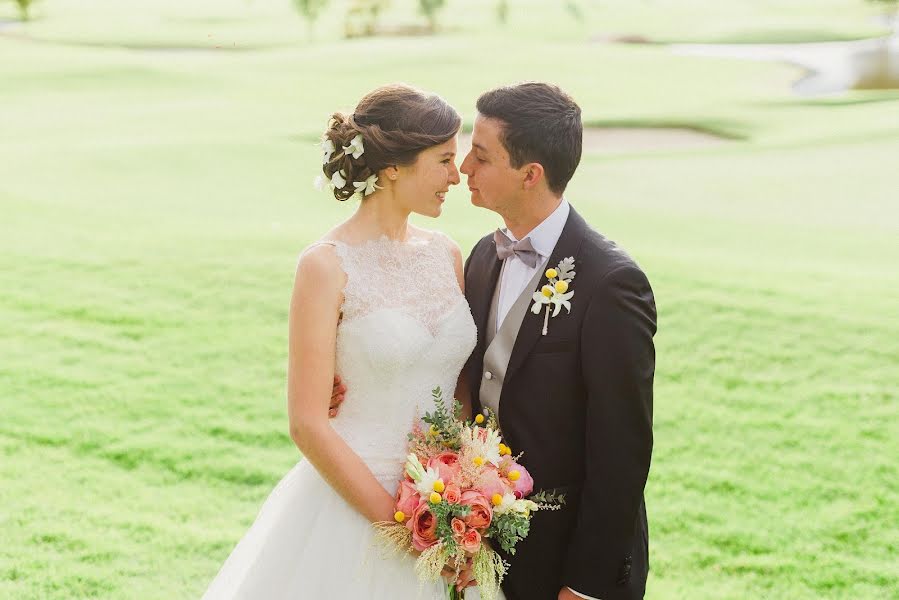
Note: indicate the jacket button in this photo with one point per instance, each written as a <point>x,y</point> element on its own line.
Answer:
<point>488,375</point>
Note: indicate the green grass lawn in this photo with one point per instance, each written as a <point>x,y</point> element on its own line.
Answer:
<point>153,204</point>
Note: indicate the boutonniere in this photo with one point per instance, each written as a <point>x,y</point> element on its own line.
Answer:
<point>554,295</point>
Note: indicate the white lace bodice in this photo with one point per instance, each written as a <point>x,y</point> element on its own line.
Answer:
<point>406,329</point>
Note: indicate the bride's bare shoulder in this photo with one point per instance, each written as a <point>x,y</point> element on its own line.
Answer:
<point>319,263</point>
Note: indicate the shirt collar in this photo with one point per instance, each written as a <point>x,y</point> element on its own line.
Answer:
<point>545,235</point>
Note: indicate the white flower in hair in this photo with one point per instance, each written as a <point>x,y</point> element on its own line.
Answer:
<point>338,180</point>
<point>328,149</point>
<point>371,185</point>
<point>355,148</point>
<point>368,186</point>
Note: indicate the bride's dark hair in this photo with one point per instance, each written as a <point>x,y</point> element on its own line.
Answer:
<point>396,123</point>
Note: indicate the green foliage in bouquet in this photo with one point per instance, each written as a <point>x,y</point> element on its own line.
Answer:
<point>444,512</point>
<point>548,500</point>
<point>508,529</point>
<point>446,426</point>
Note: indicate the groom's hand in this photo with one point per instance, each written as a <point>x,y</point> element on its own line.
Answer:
<point>566,594</point>
<point>337,392</point>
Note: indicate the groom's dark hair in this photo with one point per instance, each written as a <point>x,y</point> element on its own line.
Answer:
<point>541,124</point>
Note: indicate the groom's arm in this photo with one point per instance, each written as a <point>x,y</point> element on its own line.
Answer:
<point>618,364</point>
<point>464,385</point>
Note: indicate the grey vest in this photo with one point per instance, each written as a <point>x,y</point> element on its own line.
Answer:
<point>500,343</point>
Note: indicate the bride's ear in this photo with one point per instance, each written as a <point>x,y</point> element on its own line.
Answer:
<point>391,172</point>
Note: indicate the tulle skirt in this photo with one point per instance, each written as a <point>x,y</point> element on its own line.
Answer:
<point>308,543</point>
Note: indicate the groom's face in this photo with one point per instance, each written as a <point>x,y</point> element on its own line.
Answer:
<point>492,181</point>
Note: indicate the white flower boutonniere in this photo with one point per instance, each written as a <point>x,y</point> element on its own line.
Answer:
<point>555,294</point>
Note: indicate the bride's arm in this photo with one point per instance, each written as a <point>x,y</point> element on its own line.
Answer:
<point>314,312</point>
<point>463,394</point>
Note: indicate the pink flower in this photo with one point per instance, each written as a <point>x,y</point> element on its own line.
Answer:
<point>471,541</point>
<point>407,498</point>
<point>424,528</point>
<point>525,483</point>
<point>490,482</point>
<point>458,526</point>
<point>447,464</point>
<point>481,514</point>
<point>452,494</point>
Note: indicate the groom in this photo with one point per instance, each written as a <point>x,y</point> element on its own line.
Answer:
<point>576,400</point>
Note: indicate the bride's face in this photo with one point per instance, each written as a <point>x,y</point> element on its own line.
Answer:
<point>421,187</point>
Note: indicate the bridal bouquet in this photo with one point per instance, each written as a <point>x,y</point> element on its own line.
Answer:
<point>462,486</point>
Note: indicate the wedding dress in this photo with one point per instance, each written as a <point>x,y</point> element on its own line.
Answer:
<point>406,329</point>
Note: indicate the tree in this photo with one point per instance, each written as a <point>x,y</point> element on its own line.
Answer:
<point>24,9</point>
<point>429,9</point>
<point>502,11</point>
<point>890,13</point>
<point>362,17</point>
<point>310,9</point>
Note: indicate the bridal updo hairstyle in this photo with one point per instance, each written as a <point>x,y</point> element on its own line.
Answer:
<point>396,123</point>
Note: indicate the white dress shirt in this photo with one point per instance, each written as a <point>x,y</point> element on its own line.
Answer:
<point>516,274</point>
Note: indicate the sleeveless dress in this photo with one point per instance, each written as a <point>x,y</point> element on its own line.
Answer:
<point>406,329</point>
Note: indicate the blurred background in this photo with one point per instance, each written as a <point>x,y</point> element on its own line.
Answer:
<point>156,167</point>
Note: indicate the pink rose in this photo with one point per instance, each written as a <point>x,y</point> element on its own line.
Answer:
<point>471,541</point>
<point>447,464</point>
<point>407,498</point>
<point>490,482</point>
<point>481,513</point>
<point>424,528</point>
<point>452,494</point>
<point>524,485</point>
<point>458,526</point>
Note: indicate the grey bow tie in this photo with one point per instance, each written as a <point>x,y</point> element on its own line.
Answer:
<point>522,248</point>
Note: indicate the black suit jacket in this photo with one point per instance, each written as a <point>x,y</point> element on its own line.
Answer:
<point>578,403</point>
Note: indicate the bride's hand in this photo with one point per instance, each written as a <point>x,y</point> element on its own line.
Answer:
<point>463,578</point>
<point>337,392</point>
<point>466,578</point>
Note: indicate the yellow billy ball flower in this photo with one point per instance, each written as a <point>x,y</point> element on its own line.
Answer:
<point>502,449</point>
<point>399,516</point>
<point>514,475</point>
<point>562,286</point>
<point>435,498</point>
<point>547,290</point>
<point>479,419</point>
<point>438,486</point>
<point>478,460</point>
<point>551,273</point>
<point>432,430</point>
<point>496,499</point>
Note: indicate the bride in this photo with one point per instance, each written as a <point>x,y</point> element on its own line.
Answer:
<point>378,301</point>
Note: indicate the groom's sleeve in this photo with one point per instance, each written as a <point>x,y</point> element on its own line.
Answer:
<point>580,595</point>
<point>618,364</point>
<point>468,367</point>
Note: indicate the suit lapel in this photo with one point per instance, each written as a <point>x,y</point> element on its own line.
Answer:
<point>532,325</point>
<point>484,294</point>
